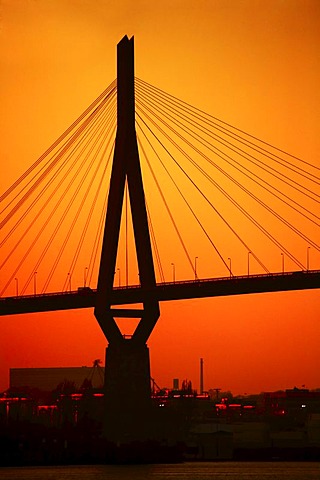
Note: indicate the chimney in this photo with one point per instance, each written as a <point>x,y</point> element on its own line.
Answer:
<point>201,376</point>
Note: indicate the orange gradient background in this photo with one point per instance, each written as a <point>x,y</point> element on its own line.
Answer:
<point>255,65</point>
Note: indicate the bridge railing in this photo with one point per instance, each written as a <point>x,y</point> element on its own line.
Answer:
<point>200,281</point>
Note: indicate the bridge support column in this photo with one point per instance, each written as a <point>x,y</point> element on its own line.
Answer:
<point>127,392</point>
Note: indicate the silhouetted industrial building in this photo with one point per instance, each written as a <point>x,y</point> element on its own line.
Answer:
<point>47,379</point>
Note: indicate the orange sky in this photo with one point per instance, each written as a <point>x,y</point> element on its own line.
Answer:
<point>253,64</point>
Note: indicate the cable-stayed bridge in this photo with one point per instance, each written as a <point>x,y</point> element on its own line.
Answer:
<point>193,196</point>
<point>220,212</point>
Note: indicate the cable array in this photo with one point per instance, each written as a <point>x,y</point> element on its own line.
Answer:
<point>220,201</point>
<point>57,203</point>
<point>257,192</point>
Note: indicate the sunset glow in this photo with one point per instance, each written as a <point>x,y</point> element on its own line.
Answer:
<point>253,65</point>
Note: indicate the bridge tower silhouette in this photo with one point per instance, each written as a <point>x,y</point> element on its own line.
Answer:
<point>127,373</point>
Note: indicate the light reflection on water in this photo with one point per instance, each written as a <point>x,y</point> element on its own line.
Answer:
<point>183,471</point>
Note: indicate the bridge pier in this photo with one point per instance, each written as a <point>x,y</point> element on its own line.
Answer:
<point>127,392</point>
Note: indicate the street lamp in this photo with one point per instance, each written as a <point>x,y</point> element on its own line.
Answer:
<point>118,269</point>
<point>308,249</point>
<point>85,275</point>
<point>195,268</point>
<point>17,287</point>
<point>230,271</point>
<point>69,281</point>
<point>35,283</point>
<point>282,255</point>
<point>249,253</point>
<point>173,272</point>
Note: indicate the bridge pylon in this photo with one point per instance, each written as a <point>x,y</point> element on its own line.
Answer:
<point>127,371</point>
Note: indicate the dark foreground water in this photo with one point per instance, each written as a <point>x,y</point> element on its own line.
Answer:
<point>182,471</point>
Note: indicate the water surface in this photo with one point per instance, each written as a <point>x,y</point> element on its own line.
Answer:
<point>182,471</point>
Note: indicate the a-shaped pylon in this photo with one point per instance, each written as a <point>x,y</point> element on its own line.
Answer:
<point>127,373</point>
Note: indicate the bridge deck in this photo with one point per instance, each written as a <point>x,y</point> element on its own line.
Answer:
<point>213,287</point>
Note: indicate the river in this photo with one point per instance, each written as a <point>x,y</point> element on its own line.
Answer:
<point>181,471</point>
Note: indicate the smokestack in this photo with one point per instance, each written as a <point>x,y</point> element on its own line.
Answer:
<point>201,376</point>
